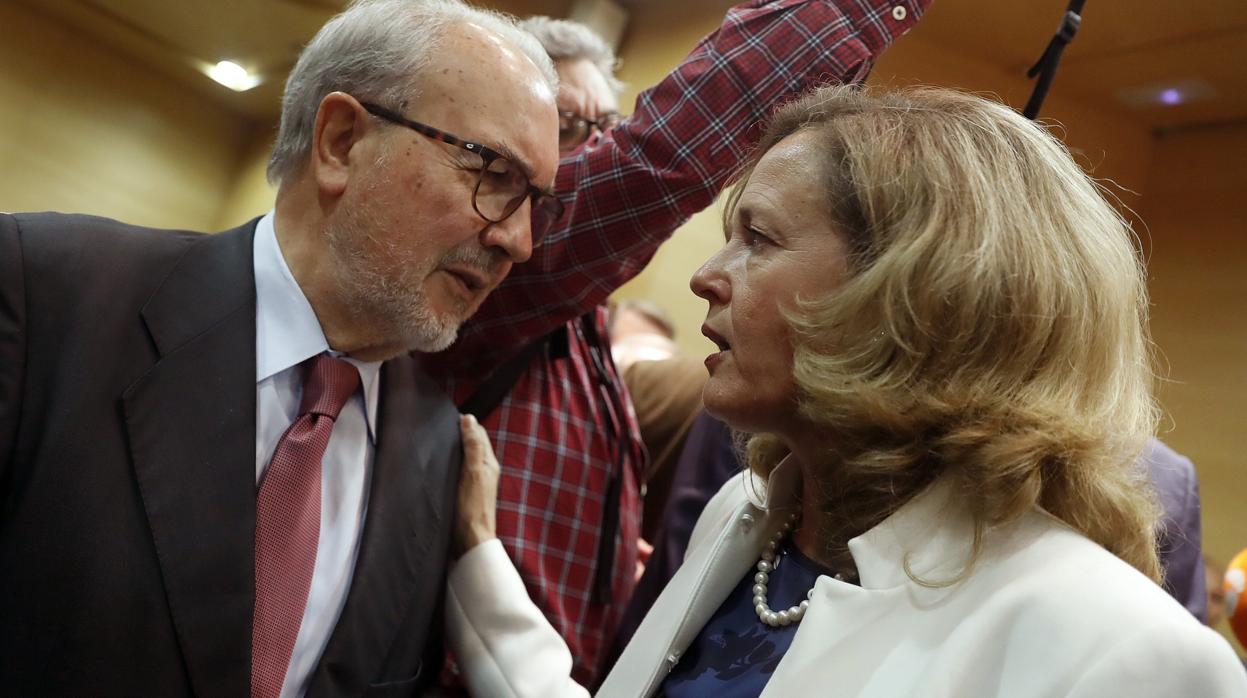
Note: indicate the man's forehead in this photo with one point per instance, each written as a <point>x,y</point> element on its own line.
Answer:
<point>473,60</point>
<point>483,90</point>
<point>511,132</point>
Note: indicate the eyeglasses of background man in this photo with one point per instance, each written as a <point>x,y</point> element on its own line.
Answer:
<point>575,129</point>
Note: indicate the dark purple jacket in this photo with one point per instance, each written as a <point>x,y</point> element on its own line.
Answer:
<point>1173,476</point>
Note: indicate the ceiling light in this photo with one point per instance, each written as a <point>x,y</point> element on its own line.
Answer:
<point>1166,94</point>
<point>233,76</point>
<point>1171,95</point>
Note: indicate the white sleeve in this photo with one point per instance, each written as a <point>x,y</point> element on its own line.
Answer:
<point>502,643</point>
<point>1160,664</point>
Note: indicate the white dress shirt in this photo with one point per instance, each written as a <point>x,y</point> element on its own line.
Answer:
<point>287,333</point>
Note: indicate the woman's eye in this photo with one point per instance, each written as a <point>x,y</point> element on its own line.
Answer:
<point>753,237</point>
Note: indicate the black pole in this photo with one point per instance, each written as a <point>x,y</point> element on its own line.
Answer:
<point>1045,67</point>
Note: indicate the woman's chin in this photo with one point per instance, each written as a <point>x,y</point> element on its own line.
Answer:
<point>733,413</point>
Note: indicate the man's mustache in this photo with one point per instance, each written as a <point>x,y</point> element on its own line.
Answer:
<point>477,258</point>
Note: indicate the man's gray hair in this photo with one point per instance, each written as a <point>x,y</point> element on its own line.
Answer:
<point>375,50</point>
<point>564,39</point>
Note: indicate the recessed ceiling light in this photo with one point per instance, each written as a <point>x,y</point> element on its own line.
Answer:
<point>1171,95</point>
<point>1166,94</point>
<point>233,76</point>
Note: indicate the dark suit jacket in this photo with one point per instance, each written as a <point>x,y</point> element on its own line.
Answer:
<point>127,476</point>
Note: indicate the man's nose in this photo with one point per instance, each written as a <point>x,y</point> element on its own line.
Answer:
<point>512,235</point>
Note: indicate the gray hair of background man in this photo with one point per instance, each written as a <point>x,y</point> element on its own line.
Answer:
<point>564,39</point>
<point>375,50</point>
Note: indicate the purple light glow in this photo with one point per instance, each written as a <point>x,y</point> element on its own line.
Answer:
<point>1171,96</point>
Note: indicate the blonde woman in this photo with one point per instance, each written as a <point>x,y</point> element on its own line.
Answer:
<point>935,328</point>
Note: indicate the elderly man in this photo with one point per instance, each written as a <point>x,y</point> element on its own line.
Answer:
<point>220,471</point>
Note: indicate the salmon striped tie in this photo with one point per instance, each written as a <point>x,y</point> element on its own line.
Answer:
<point>287,521</point>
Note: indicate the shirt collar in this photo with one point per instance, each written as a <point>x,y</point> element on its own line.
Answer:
<point>287,331</point>
<point>931,535</point>
<point>782,490</point>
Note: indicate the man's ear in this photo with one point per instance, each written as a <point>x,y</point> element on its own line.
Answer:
<point>340,124</point>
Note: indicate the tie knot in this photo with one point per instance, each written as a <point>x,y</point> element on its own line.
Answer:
<point>327,385</point>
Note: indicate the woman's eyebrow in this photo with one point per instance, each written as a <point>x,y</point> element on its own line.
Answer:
<point>741,215</point>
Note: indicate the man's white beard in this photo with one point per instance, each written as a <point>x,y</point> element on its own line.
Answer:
<point>383,287</point>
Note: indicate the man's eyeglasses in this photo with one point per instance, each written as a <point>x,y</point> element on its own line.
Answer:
<point>575,129</point>
<point>501,185</point>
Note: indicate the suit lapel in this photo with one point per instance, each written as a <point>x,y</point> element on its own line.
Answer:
<point>191,427</point>
<point>398,584</point>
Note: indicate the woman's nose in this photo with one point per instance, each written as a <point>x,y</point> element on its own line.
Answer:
<point>709,282</point>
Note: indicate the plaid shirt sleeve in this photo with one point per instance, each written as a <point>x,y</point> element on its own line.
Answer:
<point>630,189</point>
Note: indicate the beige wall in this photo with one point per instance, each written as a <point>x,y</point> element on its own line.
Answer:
<point>1107,144</point>
<point>1198,279</point>
<point>88,130</point>
<point>250,194</point>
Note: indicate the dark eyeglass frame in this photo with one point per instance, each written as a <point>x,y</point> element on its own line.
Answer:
<point>547,206</point>
<point>602,123</point>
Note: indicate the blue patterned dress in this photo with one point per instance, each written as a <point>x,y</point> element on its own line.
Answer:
<point>736,653</point>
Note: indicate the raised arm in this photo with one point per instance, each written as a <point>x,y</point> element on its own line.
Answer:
<point>628,191</point>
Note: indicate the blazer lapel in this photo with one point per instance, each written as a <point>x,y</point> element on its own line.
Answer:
<point>399,580</point>
<point>698,588</point>
<point>721,567</point>
<point>191,426</point>
<point>703,582</point>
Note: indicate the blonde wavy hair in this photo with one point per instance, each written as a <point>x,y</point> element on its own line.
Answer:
<point>993,327</point>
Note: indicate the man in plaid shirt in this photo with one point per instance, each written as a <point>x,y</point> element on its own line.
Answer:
<point>565,434</point>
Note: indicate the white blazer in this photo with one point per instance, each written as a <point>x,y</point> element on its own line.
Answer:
<point>1044,612</point>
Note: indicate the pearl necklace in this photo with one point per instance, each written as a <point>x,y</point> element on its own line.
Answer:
<point>793,614</point>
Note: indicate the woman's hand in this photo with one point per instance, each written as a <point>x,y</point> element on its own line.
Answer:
<point>478,487</point>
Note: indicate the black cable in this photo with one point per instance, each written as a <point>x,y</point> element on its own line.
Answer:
<point>1045,67</point>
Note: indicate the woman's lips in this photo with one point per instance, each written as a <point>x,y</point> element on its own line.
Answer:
<point>714,360</point>
<point>717,357</point>
<point>715,337</point>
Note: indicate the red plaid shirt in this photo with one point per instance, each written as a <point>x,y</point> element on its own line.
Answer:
<point>625,193</point>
